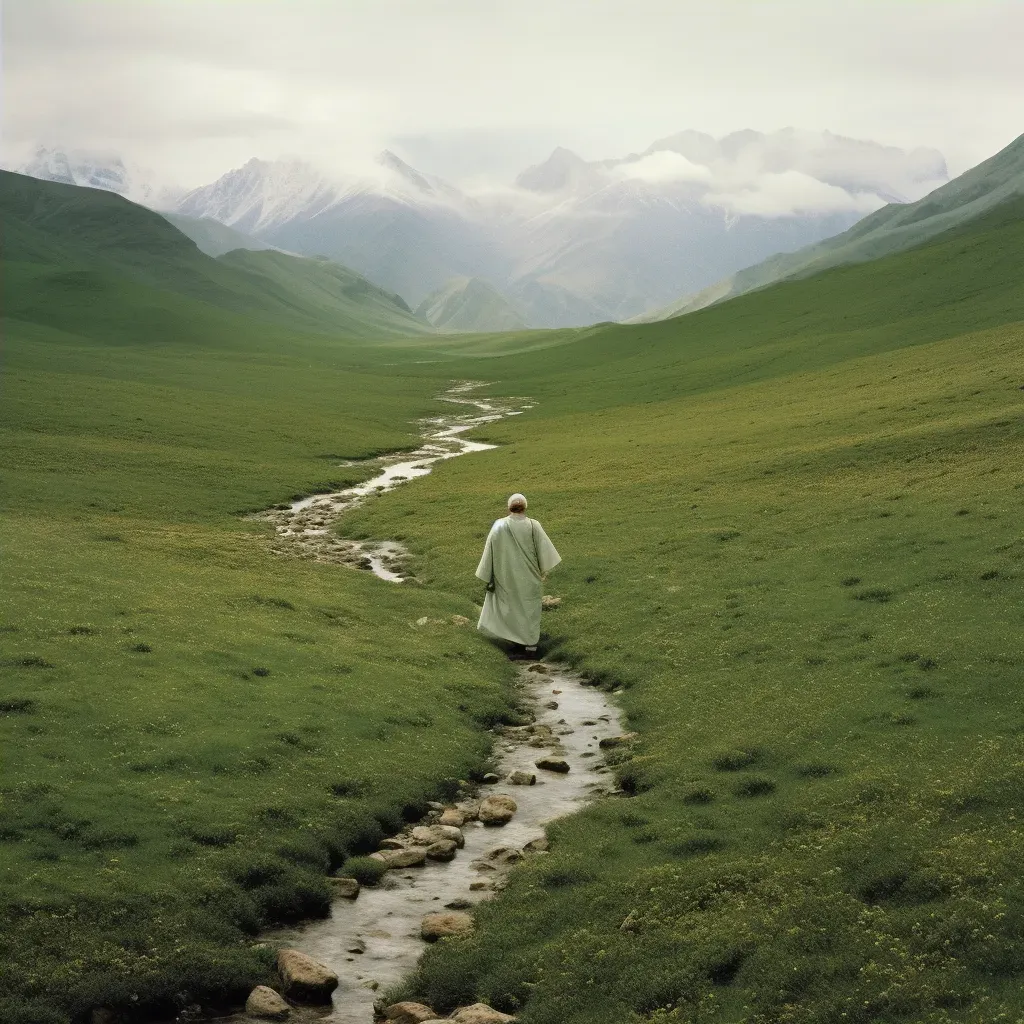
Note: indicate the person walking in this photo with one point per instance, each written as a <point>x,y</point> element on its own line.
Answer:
<point>517,556</point>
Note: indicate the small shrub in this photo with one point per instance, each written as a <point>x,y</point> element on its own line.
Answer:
<point>701,795</point>
<point>565,876</point>
<point>927,664</point>
<point>349,788</point>
<point>849,581</point>
<point>921,693</point>
<point>82,631</point>
<point>990,574</point>
<point>910,656</point>
<point>815,770</point>
<point>18,706</point>
<point>365,870</point>
<point>736,760</point>
<point>142,649</point>
<point>755,785</point>
<point>876,595</point>
<point>261,671</point>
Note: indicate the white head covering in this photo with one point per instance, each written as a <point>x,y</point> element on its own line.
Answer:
<point>517,498</point>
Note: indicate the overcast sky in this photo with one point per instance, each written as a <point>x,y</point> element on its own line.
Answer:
<point>470,88</point>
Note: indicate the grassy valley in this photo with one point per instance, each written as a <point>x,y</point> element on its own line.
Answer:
<point>791,533</point>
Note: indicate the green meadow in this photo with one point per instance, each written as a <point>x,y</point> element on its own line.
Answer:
<point>791,528</point>
<point>791,535</point>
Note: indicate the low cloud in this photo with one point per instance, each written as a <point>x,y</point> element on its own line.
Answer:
<point>664,166</point>
<point>790,193</point>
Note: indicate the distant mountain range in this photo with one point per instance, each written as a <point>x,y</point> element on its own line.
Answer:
<point>572,241</point>
<point>894,228</point>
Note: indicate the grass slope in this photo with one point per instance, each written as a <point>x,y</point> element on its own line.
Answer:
<point>469,304</point>
<point>895,228</point>
<point>211,236</point>
<point>791,532</point>
<point>88,240</point>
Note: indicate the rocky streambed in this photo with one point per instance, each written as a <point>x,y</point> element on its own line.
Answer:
<point>303,528</point>
<point>440,868</point>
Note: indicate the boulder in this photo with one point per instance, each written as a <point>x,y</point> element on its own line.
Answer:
<point>523,779</point>
<point>446,924</point>
<point>617,741</point>
<point>491,779</point>
<point>305,980</point>
<point>392,844</point>
<point>480,886</point>
<point>497,809</point>
<point>553,764</point>
<point>480,1013</point>
<point>470,809</point>
<point>537,845</point>
<point>443,849</point>
<point>451,816</point>
<point>266,1004</point>
<point>452,833</point>
<point>413,858</point>
<point>505,856</point>
<point>423,835</point>
<point>552,705</point>
<point>345,888</point>
<point>409,1013</point>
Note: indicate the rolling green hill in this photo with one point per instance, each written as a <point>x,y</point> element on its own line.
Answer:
<point>894,228</point>
<point>96,243</point>
<point>211,236</point>
<point>469,304</point>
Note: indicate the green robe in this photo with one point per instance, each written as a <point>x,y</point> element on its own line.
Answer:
<point>517,554</point>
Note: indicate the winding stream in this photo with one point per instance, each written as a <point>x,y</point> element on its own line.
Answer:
<point>373,941</point>
<point>303,528</point>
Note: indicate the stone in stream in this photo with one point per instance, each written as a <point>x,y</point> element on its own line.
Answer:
<point>491,779</point>
<point>401,858</point>
<point>445,925</point>
<point>617,741</point>
<point>552,705</point>
<point>539,845</point>
<point>443,849</point>
<point>392,844</point>
<point>480,1013</point>
<point>523,778</point>
<point>553,764</point>
<point>505,856</point>
<point>345,888</point>
<point>451,816</point>
<point>497,809</point>
<point>305,980</point>
<point>538,667</point>
<point>409,1013</point>
<point>266,1004</point>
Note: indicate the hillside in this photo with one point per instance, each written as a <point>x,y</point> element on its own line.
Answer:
<point>469,304</point>
<point>66,247</point>
<point>790,527</point>
<point>894,228</point>
<point>212,237</point>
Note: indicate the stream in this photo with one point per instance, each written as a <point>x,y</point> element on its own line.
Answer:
<point>303,528</point>
<point>373,941</point>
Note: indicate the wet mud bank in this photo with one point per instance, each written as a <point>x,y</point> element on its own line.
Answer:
<point>460,853</point>
<point>303,529</point>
